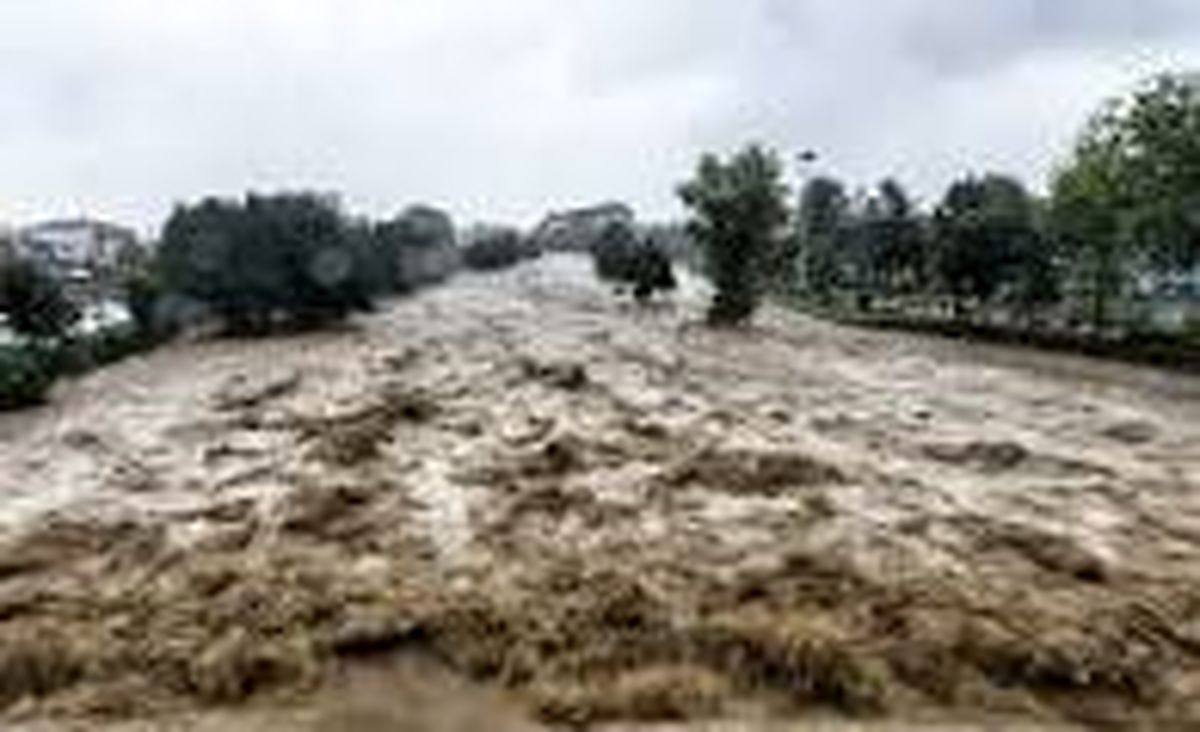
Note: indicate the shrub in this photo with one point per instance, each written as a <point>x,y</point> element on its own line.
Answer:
<point>413,250</point>
<point>614,252</point>
<point>105,347</point>
<point>26,376</point>
<point>620,256</point>
<point>652,272</point>
<point>495,248</point>
<point>29,369</point>
<point>289,259</point>
<point>34,301</point>
<point>149,304</point>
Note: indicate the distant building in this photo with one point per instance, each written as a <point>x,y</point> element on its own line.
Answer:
<point>575,230</point>
<point>77,246</point>
<point>85,254</point>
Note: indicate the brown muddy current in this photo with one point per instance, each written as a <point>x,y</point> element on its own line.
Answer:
<point>517,501</point>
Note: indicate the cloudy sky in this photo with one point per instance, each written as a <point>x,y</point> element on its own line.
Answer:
<point>501,109</point>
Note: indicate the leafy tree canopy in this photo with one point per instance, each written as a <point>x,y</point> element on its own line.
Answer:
<point>34,300</point>
<point>738,212</point>
<point>1130,192</point>
<point>268,259</point>
<point>982,227</point>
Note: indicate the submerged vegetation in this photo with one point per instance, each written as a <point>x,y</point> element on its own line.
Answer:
<point>629,258</point>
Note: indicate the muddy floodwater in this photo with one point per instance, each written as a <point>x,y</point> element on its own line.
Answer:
<point>518,500</point>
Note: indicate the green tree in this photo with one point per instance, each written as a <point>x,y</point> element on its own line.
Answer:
<point>1087,221</point>
<point>35,301</point>
<point>1038,273</point>
<point>983,227</point>
<point>26,376</point>
<point>895,242</point>
<point>1125,203</point>
<point>269,259</point>
<point>623,255</point>
<point>822,230</point>
<point>651,271</point>
<point>429,244</point>
<point>412,250</point>
<point>1159,157</point>
<point>613,251</point>
<point>738,210</point>
<point>495,247</point>
<point>148,300</point>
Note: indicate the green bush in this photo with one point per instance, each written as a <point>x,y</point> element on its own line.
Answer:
<point>623,257</point>
<point>614,251</point>
<point>26,376</point>
<point>83,353</point>
<point>652,272</point>
<point>148,300</point>
<point>269,261</point>
<point>495,249</point>
<point>414,250</point>
<point>1191,330</point>
<point>115,344</point>
<point>34,300</point>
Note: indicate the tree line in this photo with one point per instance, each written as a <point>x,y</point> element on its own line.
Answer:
<point>245,267</point>
<point>1121,219</point>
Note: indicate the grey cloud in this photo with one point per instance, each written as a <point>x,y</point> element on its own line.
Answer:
<point>973,35</point>
<point>510,107</point>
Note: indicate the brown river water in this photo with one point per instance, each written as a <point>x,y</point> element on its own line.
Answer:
<point>519,500</point>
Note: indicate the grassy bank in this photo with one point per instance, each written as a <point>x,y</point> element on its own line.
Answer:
<point>1176,352</point>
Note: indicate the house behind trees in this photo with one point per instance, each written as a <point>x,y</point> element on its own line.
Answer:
<point>85,254</point>
<point>577,230</point>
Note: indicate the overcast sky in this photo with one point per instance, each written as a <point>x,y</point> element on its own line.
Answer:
<point>502,109</point>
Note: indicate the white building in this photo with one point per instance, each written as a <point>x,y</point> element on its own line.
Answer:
<point>578,229</point>
<point>77,248</point>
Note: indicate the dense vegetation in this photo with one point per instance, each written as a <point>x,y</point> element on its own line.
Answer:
<point>34,301</point>
<point>38,311</point>
<point>496,247</point>
<point>738,213</point>
<point>251,267</point>
<point>25,377</point>
<point>47,344</point>
<point>413,250</point>
<point>1108,254</point>
<point>629,258</point>
<point>288,259</point>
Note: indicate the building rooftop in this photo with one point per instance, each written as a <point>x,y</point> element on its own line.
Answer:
<point>73,224</point>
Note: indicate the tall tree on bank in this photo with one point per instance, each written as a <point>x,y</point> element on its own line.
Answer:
<point>1127,198</point>
<point>896,247</point>
<point>1037,278</point>
<point>1159,134</point>
<point>738,214</point>
<point>983,227</point>
<point>1086,218</point>
<point>822,233</point>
